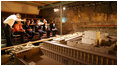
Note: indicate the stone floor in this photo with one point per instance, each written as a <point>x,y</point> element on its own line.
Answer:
<point>42,60</point>
<point>36,60</point>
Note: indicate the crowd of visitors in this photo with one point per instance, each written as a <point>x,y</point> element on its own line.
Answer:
<point>28,27</point>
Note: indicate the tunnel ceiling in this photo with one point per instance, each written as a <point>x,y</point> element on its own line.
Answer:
<point>45,4</point>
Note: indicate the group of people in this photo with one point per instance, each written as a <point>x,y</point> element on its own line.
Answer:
<point>26,27</point>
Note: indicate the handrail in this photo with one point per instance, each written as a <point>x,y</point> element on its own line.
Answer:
<point>26,43</point>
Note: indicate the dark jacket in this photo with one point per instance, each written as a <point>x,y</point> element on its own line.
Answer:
<point>37,27</point>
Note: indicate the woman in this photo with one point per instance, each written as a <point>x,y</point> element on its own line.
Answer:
<point>19,30</point>
<point>38,28</point>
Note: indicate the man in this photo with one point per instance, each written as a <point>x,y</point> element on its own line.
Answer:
<point>53,28</point>
<point>8,23</point>
<point>48,31</point>
<point>44,25</point>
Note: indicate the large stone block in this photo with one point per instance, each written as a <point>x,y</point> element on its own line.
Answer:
<point>90,35</point>
<point>88,41</point>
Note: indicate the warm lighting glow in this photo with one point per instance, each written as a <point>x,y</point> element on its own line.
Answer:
<point>64,8</point>
<point>56,10</point>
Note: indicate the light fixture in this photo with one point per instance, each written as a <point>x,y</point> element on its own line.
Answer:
<point>64,8</point>
<point>56,9</point>
<point>64,19</point>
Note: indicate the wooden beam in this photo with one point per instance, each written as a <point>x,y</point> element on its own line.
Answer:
<point>46,2</point>
<point>26,43</point>
<point>19,13</point>
<point>30,3</point>
<point>38,2</point>
<point>57,4</point>
<point>61,10</point>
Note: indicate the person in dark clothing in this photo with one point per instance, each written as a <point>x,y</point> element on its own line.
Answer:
<point>53,28</point>
<point>38,28</point>
<point>48,31</point>
<point>54,31</point>
<point>8,34</point>
<point>29,30</point>
<point>32,21</point>
<point>44,28</point>
<point>51,25</point>
<point>44,25</point>
<point>32,24</point>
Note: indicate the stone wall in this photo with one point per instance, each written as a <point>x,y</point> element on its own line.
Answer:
<point>83,16</point>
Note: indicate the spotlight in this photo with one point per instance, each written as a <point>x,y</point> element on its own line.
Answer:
<point>64,8</point>
<point>56,9</point>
